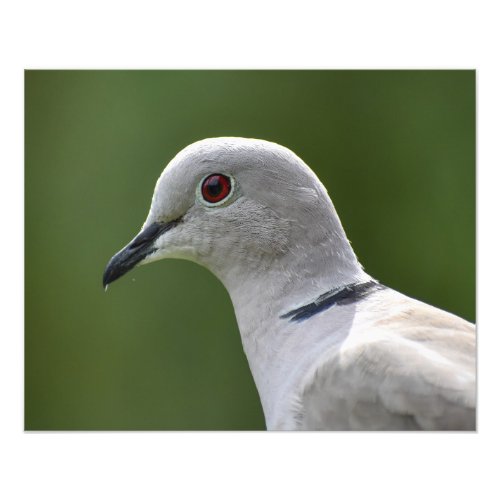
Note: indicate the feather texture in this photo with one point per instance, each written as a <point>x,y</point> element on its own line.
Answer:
<point>413,368</point>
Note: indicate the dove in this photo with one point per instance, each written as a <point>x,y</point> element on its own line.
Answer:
<point>329,346</point>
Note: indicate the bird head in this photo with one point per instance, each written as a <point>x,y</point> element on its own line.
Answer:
<point>235,206</point>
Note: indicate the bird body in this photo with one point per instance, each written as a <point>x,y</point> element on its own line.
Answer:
<point>329,347</point>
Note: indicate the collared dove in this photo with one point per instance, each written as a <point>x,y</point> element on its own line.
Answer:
<point>329,347</point>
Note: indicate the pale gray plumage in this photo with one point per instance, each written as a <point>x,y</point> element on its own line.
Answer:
<point>381,362</point>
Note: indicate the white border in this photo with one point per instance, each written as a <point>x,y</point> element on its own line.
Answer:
<point>258,34</point>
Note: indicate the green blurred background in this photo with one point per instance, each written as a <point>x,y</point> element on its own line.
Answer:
<point>161,349</point>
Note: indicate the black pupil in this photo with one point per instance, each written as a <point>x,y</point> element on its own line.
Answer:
<point>214,186</point>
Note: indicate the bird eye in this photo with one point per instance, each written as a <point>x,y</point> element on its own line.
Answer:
<point>216,188</point>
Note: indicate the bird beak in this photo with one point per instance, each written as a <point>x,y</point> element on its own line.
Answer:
<point>141,246</point>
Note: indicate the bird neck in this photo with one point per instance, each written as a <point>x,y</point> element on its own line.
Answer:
<point>278,352</point>
<point>317,259</point>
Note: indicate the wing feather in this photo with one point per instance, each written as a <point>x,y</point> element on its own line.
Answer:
<point>414,369</point>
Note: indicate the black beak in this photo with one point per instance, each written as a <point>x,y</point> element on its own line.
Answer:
<point>141,246</point>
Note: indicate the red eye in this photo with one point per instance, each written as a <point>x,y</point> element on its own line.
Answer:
<point>215,188</point>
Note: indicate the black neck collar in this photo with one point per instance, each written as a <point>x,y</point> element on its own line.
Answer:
<point>337,296</point>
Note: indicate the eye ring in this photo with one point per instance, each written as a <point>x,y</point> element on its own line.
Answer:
<point>215,189</point>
